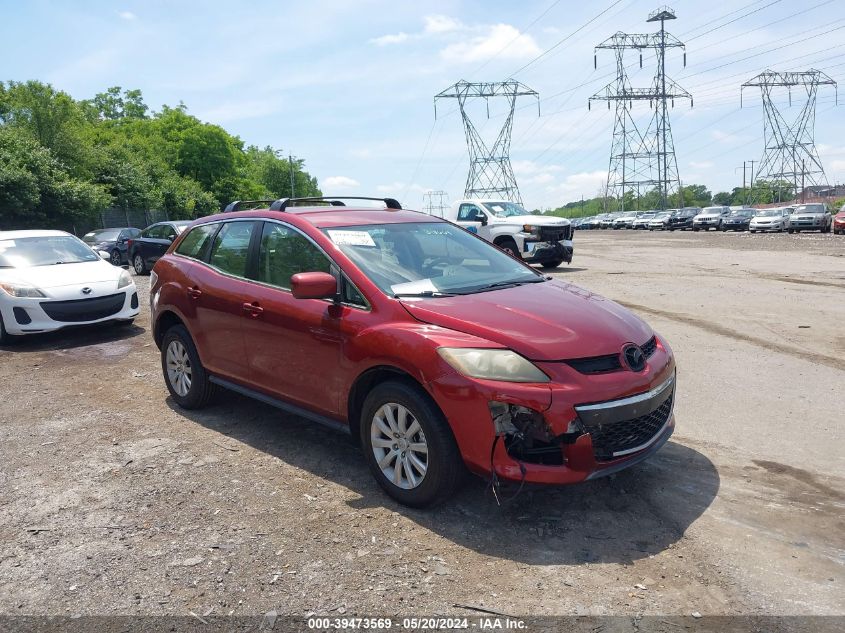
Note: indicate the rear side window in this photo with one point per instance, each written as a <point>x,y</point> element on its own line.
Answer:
<point>284,253</point>
<point>195,244</point>
<point>231,247</point>
<point>468,213</point>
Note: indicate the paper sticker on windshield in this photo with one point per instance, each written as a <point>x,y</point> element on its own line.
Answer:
<point>351,238</point>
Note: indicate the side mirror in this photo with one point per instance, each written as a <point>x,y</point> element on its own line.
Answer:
<point>313,286</point>
<point>104,255</point>
<point>483,219</point>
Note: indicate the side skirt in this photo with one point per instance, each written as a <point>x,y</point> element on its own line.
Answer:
<point>284,406</point>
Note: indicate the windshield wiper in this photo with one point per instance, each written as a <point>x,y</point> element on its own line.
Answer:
<point>507,284</point>
<point>423,293</point>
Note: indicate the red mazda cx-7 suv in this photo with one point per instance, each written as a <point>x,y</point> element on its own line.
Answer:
<point>434,348</point>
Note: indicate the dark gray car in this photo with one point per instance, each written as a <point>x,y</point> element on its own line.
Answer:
<point>113,241</point>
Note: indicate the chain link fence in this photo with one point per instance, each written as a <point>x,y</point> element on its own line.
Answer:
<point>117,217</point>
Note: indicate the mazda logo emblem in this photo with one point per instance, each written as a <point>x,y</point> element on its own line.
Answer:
<point>86,291</point>
<point>633,357</point>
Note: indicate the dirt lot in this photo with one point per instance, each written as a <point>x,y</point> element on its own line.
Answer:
<point>113,501</point>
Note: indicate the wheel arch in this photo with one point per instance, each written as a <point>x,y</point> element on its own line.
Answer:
<point>166,320</point>
<point>365,383</point>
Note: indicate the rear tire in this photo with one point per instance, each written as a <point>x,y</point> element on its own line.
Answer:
<point>551,265</point>
<point>139,265</point>
<point>435,465</point>
<point>790,231</point>
<point>185,377</point>
<point>115,258</point>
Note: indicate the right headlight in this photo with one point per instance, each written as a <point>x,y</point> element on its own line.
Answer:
<point>14,289</point>
<point>492,364</point>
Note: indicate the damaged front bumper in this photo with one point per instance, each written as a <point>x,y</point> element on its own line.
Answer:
<point>570,430</point>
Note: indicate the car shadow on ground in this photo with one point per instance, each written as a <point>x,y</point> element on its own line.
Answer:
<point>631,515</point>
<point>71,338</point>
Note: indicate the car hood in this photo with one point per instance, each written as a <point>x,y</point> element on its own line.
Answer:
<point>707,216</point>
<point>61,275</point>
<point>539,220</point>
<point>104,245</point>
<point>546,321</point>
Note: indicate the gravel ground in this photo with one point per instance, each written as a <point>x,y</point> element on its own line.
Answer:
<point>114,501</point>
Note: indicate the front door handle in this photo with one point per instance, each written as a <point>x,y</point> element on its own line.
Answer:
<point>194,293</point>
<point>253,309</point>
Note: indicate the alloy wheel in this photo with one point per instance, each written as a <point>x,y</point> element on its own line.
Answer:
<point>179,372</point>
<point>139,264</point>
<point>115,258</point>
<point>399,446</point>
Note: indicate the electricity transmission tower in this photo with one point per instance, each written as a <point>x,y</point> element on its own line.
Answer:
<point>789,153</point>
<point>435,207</point>
<point>642,160</point>
<point>490,172</point>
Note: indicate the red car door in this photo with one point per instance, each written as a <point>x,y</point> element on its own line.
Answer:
<point>218,292</point>
<point>293,345</point>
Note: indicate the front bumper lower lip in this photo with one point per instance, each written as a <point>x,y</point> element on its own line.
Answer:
<point>40,322</point>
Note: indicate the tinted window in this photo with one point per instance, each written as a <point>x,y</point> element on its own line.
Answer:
<point>231,247</point>
<point>468,213</point>
<point>196,241</point>
<point>168,232</point>
<point>149,232</point>
<point>285,252</point>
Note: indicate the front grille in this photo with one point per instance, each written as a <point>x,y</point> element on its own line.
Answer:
<point>80,310</point>
<point>610,439</point>
<point>555,233</point>
<point>649,347</point>
<point>596,364</point>
<point>608,362</point>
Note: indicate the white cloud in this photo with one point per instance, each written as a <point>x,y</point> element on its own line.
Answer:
<point>503,40</point>
<point>126,15</point>
<point>386,40</point>
<point>837,166</point>
<point>240,110</point>
<point>586,184</point>
<point>705,164</point>
<point>398,188</point>
<point>441,24</point>
<point>338,182</point>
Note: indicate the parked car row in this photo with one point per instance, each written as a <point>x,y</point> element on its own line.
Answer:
<point>792,219</point>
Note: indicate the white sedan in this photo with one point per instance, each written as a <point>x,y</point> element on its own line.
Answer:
<point>51,279</point>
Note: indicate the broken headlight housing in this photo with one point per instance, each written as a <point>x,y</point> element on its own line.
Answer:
<point>492,364</point>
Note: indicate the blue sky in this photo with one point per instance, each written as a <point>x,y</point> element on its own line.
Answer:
<point>349,86</point>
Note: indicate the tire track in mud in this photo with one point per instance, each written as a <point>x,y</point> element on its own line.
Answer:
<point>715,328</point>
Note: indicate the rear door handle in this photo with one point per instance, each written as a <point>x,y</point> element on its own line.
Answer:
<point>253,309</point>
<point>194,293</point>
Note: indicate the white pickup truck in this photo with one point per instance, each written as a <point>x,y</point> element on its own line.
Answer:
<point>536,239</point>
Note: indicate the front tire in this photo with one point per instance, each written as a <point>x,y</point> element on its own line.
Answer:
<point>551,265</point>
<point>5,337</point>
<point>115,258</point>
<point>409,446</point>
<point>185,377</point>
<point>139,265</point>
<point>509,246</point>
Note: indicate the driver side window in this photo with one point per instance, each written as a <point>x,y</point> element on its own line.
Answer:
<point>469,213</point>
<point>284,252</point>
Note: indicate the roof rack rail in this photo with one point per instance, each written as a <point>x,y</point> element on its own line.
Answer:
<point>336,201</point>
<point>246,205</point>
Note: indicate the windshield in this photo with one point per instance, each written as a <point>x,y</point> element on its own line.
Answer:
<point>662,214</point>
<point>769,213</point>
<point>809,208</point>
<point>104,235</point>
<point>744,213</point>
<point>504,209</point>
<point>646,216</point>
<point>428,259</point>
<point>44,251</point>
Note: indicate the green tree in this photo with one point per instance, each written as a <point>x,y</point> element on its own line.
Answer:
<point>36,190</point>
